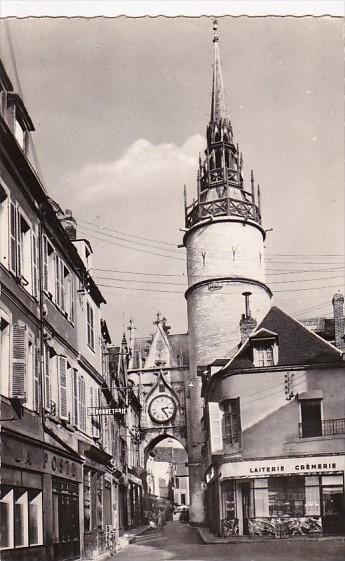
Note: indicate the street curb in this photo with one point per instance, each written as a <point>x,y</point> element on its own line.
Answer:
<point>213,540</point>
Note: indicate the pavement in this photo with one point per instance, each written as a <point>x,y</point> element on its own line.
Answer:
<point>208,538</point>
<point>180,542</point>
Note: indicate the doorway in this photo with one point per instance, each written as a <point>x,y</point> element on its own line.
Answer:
<point>246,506</point>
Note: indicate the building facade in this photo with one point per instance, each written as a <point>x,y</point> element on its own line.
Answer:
<point>68,421</point>
<point>275,434</point>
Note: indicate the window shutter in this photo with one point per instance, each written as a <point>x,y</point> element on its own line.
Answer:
<point>71,281</point>
<point>13,238</point>
<point>216,436</point>
<point>57,280</point>
<point>36,372</point>
<point>19,244</point>
<point>82,413</point>
<point>75,397</point>
<point>63,387</point>
<point>47,378</point>
<point>18,379</point>
<point>34,265</point>
<point>45,262</point>
<point>62,286</point>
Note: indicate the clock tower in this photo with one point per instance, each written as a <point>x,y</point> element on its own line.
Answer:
<point>224,241</point>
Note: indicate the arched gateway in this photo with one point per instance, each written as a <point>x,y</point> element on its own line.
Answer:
<point>159,369</point>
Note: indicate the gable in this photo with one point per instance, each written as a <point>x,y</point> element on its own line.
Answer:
<point>297,345</point>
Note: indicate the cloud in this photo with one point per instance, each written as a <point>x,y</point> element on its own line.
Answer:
<point>144,170</point>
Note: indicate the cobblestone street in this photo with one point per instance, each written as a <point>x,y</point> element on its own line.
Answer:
<point>179,542</point>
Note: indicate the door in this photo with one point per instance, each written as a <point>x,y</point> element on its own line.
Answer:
<point>333,520</point>
<point>246,507</point>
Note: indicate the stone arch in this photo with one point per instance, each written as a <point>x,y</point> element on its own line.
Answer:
<point>159,438</point>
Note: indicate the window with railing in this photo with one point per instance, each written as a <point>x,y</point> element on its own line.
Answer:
<point>327,427</point>
<point>310,418</point>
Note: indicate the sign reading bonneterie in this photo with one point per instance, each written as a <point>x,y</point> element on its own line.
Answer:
<point>282,466</point>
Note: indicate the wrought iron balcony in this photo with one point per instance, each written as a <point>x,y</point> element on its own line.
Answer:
<point>329,427</point>
<point>221,207</point>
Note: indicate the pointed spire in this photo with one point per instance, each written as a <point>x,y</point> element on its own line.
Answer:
<point>218,108</point>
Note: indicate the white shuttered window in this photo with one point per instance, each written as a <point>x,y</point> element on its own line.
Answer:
<point>18,378</point>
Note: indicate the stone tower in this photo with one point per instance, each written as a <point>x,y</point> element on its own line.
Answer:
<point>224,239</point>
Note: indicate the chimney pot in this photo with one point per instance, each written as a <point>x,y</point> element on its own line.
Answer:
<point>339,320</point>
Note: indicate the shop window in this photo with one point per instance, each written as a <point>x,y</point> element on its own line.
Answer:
<point>231,421</point>
<point>261,497</point>
<point>99,502</point>
<point>87,500</point>
<point>228,500</point>
<point>311,418</point>
<point>286,496</point>
<point>332,495</point>
<point>312,496</point>
<point>90,326</point>
<point>6,517</point>
<point>21,517</point>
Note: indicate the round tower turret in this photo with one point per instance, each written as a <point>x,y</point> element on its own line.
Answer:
<point>224,241</point>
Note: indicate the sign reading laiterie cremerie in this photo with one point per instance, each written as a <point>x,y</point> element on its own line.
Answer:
<point>282,466</point>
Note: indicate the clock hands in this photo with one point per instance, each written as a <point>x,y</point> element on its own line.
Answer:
<point>165,412</point>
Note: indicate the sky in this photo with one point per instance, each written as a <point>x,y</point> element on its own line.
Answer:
<point>120,108</point>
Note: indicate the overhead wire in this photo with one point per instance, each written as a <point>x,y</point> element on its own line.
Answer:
<point>301,255</point>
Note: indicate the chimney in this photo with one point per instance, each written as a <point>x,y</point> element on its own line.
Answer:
<point>247,323</point>
<point>69,224</point>
<point>339,321</point>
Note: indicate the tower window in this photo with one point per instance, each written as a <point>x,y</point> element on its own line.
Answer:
<point>231,421</point>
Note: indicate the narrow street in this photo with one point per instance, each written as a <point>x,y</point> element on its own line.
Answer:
<point>178,541</point>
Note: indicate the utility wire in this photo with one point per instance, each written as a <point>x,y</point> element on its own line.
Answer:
<point>141,250</point>
<point>207,276</point>
<point>141,281</point>
<point>301,255</point>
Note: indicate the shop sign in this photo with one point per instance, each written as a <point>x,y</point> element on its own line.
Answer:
<point>282,466</point>
<point>216,436</point>
<point>96,411</point>
<point>61,467</point>
<point>17,453</point>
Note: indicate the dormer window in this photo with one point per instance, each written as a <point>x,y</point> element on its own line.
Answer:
<point>264,356</point>
<point>264,345</point>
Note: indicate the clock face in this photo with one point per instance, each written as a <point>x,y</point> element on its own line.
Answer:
<point>162,408</point>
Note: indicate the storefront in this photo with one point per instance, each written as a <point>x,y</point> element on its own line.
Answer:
<point>39,507</point>
<point>282,497</point>
<point>96,499</point>
<point>62,481</point>
<point>135,506</point>
<point>21,500</point>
